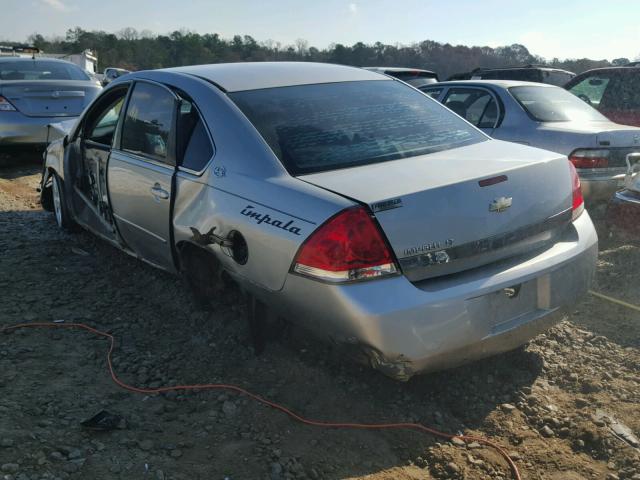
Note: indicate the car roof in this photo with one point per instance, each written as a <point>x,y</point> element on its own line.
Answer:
<point>398,69</point>
<point>522,67</point>
<point>235,77</point>
<point>633,68</point>
<point>491,83</point>
<point>36,59</point>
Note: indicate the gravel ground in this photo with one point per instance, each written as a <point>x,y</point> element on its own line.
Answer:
<point>551,404</point>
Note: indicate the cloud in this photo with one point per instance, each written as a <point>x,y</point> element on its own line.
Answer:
<point>353,8</point>
<point>55,4</point>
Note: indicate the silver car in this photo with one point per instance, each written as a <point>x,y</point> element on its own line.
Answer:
<point>548,117</point>
<point>35,92</point>
<point>342,199</point>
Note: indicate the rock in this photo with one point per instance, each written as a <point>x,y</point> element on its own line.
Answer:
<point>229,408</point>
<point>159,475</point>
<point>453,467</point>
<point>56,456</point>
<point>74,454</point>
<point>457,441</point>
<point>507,407</point>
<point>546,431</point>
<point>276,471</point>
<point>176,453</point>
<point>10,468</point>
<point>70,467</point>
<point>6,443</point>
<point>145,445</point>
<point>612,476</point>
<point>581,402</point>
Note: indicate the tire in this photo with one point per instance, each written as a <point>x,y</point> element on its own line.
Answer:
<point>60,211</point>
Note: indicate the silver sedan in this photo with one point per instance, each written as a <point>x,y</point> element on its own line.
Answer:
<point>35,92</point>
<point>547,117</point>
<point>346,201</point>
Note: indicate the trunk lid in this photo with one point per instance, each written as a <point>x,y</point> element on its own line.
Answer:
<point>49,98</point>
<point>443,213</point>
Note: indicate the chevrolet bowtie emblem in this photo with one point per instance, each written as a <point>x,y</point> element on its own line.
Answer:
<point>500,204</point>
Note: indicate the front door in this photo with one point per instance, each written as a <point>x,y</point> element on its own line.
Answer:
<point>140,173</point>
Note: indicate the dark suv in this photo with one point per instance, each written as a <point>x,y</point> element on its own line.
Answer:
<point>527,73</point>
<point>614,91</point>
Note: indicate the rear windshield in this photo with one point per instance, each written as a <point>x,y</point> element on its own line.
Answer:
<point>417,79</point>
<point>40,70</point>
<point>313,128</point>
<point>553,104</point>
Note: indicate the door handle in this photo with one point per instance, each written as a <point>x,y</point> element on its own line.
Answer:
<point>159,192</point>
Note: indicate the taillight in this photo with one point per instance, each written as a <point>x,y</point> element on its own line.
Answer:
<point>576,195</point>
<point>5,105</point>
<point>349,246</point>
<point>584,158</point>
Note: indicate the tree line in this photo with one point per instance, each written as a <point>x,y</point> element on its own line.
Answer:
<point>135,50</point>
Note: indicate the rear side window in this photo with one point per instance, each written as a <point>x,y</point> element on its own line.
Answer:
<point>591,89</point>
<point>623,93</point>
<point>313,128</point>
<point>40,70</point>
<point>477,106</point>
<point>194,146</point>
<point>148,121</point>
<point>432,92</point>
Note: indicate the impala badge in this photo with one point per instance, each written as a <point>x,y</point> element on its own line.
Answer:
<point>500,204</point>
<point>55,94</point>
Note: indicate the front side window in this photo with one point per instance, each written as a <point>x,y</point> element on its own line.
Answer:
<point>104,126</point>
<point>40,70</point>
<point>553,104</point>
<point>475,105</point>
<point>148,122</point>
<point>591,89</point>
<point>313,128</point>
<point>194,148</point>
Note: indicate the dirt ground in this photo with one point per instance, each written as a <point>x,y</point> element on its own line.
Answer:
<point>550,404</point>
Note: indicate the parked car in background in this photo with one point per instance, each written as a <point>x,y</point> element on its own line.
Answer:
<point>413,76</point>
<point>111,73</point>
<point>526,73</point>
<point>623,212</point>
<point>613,91</point>
<point>345,200</point>
<point>35,92</point>
<point>551,118</point>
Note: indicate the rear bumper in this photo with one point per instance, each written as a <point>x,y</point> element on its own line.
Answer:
<point>18,130</point>
<point>599,189</point>
<point>405,328</point>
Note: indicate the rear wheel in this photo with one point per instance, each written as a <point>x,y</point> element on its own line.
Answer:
<point>63,219</point>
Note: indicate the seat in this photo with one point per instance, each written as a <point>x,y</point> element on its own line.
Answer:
<point>458,107</point>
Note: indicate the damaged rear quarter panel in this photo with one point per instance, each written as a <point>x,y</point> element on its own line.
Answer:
<point>274,215</point>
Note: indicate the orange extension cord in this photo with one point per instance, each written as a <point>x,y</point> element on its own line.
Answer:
<point>257,398</point>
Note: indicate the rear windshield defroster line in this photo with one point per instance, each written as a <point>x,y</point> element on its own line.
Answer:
<point>314,128</point>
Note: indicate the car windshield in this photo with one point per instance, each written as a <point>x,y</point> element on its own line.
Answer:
<point>553,104</point>
<point>313,128</point>
<point>40,70</point>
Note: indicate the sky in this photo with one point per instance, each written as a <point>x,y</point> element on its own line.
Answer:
<point>603,29</point>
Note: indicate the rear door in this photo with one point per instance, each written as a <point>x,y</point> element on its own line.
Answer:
<point>141,171</point>
<point>477,105</point>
